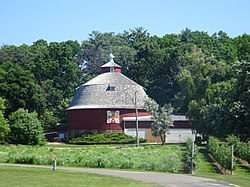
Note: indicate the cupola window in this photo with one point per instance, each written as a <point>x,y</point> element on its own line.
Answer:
<point>111,88</point>
<point>112,69</point>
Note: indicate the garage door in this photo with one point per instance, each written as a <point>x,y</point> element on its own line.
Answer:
<point>132,132</point>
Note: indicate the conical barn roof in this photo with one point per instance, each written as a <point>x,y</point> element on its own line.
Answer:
<point>108,90</point>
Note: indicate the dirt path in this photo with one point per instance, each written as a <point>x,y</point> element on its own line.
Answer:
<point>171,180</point>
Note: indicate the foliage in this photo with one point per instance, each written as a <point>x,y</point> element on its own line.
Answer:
<point>241,149</point>
<point>238,105</point>
<point>158,158</point>
<point>48,121</point>
<point>25,128</point>
<point>41,77</point>
<point>195,72</point>
<point>162,118</point>
<point>221,153</point>
<point>4,125</point>
<point>19,89</point>
<point>105,138</point>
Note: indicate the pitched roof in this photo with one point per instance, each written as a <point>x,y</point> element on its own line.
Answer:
<point>95,93</point>
<point>110,64</point>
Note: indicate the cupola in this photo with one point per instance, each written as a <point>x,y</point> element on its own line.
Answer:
<point>111,66</point>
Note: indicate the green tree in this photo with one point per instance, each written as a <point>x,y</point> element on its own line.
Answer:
<point>162,118</point>
<point>21,55</point>
<point>243,47</point>
<point>236,109</point>
<point>4,126</point>
<point>25,128</point>
<point>201,71</point>
<point>58,73</point>
<point>49,120</point>
<point>19,89</point>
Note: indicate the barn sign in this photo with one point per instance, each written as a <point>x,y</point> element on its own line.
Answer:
<point>113,116</point>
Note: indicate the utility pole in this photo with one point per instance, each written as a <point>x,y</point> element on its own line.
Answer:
<point>136,121</point>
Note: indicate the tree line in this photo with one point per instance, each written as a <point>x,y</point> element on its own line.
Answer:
<point>204,76</point>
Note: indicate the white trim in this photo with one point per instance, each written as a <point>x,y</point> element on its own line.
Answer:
<point>179,118</point>
<point>141,118</point>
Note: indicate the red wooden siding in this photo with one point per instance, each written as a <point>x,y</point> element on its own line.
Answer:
<point>96,119</point>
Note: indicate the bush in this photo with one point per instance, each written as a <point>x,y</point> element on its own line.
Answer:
<point>241,149</point>
<point>105,138</point>
<point>25,128</point>
<point>221,153</point>
<point>231,139</point>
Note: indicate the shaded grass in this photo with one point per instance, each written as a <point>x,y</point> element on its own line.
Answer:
<point>184,166</point>
<point>30,177</point>
<point>206,166</point>
<point>209,170</point>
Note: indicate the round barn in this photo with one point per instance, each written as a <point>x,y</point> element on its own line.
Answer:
<point>106,103</point>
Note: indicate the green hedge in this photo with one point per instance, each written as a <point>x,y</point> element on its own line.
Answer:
<point>105,138</point>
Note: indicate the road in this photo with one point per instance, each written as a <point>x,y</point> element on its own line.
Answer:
<point>164,179</point>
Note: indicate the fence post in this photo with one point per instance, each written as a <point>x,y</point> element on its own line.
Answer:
<point>192,158</point>
<point>232,159</point>
<point>54,164</point>
<point>53,159</point>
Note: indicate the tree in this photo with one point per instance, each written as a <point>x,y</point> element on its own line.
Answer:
<point>4,126</point>
<point>49,120</point>
<point>162,118</point>
<point>237,107</point>
<point>58,73</point>
<point>19,89</point>
<point>20,55</point>
<point>25,128</point>
<point>200,72</point>
<point>243,47</point>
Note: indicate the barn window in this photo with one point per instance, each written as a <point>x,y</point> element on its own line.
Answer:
<point>111,88</point>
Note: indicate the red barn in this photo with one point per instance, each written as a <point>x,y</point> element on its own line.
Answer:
<point>106,103</point>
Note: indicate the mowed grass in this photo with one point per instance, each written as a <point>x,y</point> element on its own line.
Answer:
<point>39,177</point>
<point>206,169</point>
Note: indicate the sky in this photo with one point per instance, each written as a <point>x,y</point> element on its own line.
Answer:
<point>26,21</point>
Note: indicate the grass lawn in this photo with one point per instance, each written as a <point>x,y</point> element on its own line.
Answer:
<point>241,175</point>
<point>30,177</point>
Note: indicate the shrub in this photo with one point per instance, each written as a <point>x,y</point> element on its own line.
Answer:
<point>232,139</point>
<point>25,128</point>
<point>221,153</point>
<point>241,149</point>
<point>105,138</point>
